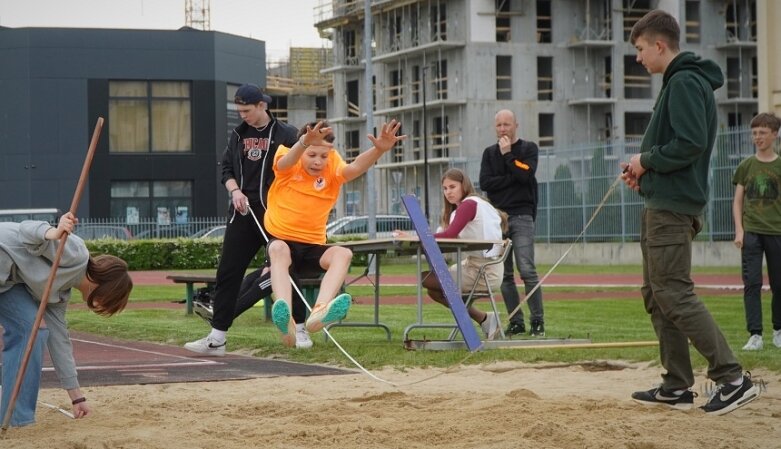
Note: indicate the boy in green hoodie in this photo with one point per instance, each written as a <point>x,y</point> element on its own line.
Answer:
<point>671,174</point>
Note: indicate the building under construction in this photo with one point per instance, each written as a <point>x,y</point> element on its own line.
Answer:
<point>565,67</point>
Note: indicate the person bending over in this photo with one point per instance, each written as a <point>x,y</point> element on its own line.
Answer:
<point>27,252</point>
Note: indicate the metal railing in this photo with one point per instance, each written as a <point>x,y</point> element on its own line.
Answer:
<point>572,183</point>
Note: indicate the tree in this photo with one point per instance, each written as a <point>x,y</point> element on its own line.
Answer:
<point>607,223</point>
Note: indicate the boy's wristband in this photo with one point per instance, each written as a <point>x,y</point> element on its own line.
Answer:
<point>79,400</point>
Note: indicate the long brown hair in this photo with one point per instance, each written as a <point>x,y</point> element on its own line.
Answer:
<point>114,284</point>
<point>458,175</point>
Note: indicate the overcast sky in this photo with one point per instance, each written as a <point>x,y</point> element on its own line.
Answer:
<point>280,23</point>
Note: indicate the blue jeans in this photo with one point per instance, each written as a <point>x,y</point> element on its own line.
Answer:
<point>521,232</point>
<point>17,315</point>
<point>754,246</point>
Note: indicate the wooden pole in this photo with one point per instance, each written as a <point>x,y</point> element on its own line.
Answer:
<point>55,264</point>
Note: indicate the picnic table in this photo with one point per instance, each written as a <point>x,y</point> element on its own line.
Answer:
<point>190,280</point>
<point>310,287</point>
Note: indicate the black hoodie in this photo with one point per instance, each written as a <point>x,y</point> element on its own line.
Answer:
<point>281,134</point>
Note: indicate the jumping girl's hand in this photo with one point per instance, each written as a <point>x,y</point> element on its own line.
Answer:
<point>317,135</point>
<point>387,138</point>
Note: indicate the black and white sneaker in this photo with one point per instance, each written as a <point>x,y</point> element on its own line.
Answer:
<point>660,396</point>
<point>537,329</point>
<point>728,397</point>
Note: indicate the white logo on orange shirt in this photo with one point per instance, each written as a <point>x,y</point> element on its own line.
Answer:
<point>319,183</point>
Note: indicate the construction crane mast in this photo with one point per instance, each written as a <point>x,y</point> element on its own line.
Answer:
<point>197,14</point>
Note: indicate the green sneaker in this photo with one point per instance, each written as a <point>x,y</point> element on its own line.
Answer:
<point>323,315</point>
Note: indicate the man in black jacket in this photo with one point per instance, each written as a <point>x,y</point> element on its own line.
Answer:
<point>507,176</point>
<point>247,175</point>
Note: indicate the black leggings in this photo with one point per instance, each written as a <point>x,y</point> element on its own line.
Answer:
<point>256,287</point>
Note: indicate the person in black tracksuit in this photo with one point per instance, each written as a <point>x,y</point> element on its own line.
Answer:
<point>507,176</point>
<point>247,175</point>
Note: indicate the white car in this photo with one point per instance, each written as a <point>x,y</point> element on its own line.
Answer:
<point>216,232</point>
<point>357,226</point>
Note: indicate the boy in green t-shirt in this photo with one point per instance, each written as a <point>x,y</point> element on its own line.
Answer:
<point>756,210</point>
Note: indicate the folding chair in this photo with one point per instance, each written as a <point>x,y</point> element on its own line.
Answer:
<point>475,294</point>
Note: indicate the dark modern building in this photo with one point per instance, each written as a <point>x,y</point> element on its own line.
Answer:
<point>166,97</point>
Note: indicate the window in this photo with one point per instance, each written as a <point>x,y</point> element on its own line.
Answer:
<point>544,24</point>
<point>692,26</point>
<point>374,93</point>
<point>440,137</point>
<point>438,15</point>
<point>635,124</point>
<point>504,77</point>
<point>396,88</point>
<point>279,107</point>
<point>353,108</point>
<point>413,19</point>
<point>637,82</point>
<point>733,78</point>
<point>502,21</point>
<point>150,117</point>
<point>417,144</point>
<point>394,30</point>
<point>754,78</point>
<point>741,20</point>
<point>350,47</point>
<point>415,84</point>
<point>607,131</point>
<point>545,78</point>
<point>352,145</point>
<point>398,150</point>
<point>167,202</point>
<point>439,80</point>
<point>634,10</point>
<point>607,82</point>
<point>734,119</point>
<point>321,108</point>
<point>545,130</point>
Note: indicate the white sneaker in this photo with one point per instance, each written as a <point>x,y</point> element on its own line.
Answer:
<point>206,346</point>
<point>777,338</point>
<point>754,343</point>
<point>302,337</point>
<point>490,326</point>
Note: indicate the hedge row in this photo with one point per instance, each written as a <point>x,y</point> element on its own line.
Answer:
<point>173,254</point>
<point>165,254</point>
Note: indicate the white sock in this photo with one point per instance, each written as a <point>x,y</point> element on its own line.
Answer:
<point>678,392</point>
<point>217,335</point>
<point>738,382</point>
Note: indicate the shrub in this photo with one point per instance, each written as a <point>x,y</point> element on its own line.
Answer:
<point>170,254</point>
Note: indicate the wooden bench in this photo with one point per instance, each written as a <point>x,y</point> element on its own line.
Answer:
<point>310,287</point>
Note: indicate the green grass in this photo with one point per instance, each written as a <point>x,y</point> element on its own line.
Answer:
<point>399,267</point>
<point>409,268</point>
<point>613,320</point>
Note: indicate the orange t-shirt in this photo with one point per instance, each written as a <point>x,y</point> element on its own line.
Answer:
<point>299,203</point>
